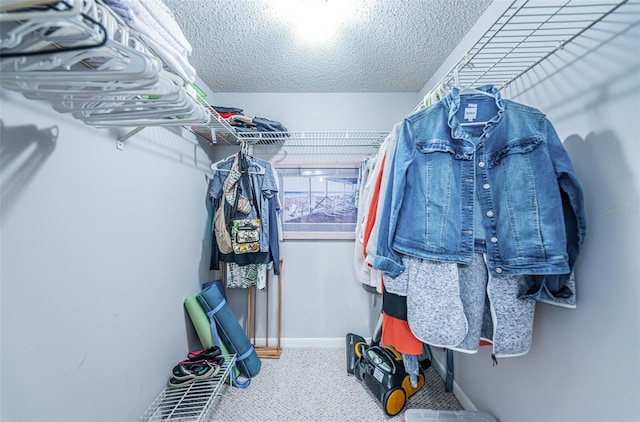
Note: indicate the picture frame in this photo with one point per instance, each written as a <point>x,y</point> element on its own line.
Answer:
<point>318,201</point>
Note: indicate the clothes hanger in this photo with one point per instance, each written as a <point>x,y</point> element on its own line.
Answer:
<point>246,148</point>
<point>253,163</point>
<point>197,115</point>
<point>131,104</point>
<point>117,82</point>
<point>200,117</point>
<point>468,91</point>
<point>121,66</point>
<point>474,91</point>
<point>132,112</point>
<point>74,7</point>
<point>122,61</point>
<point>167,90</point>
<point>60,33</point>
<point>217,165</point>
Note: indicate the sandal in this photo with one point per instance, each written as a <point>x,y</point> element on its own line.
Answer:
<point>211,353</point>
<point>184,374</point>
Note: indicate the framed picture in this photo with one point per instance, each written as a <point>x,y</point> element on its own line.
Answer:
<point>318,202</point>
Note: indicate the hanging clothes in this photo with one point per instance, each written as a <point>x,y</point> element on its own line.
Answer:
<point>373,181</point>
<point>260,190</point>
<point>506,188</point>
<point>245,276</point>
<point>481,217</point>
<point>362,270</point>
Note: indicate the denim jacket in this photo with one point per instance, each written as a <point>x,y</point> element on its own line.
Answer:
<point>505,188</point>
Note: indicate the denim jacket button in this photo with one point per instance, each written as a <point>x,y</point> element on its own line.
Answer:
<point>489,213</point>
<point>494,240</point>
<point>486,135</point>
<point>486,186</point>
<point>481,164</point>
<point>499,270</point>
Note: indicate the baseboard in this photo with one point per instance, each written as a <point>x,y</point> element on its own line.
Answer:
<point>297,342</point>
<point>464,400</point>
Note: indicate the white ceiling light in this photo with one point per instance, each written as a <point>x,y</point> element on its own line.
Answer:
<point>316,21</point>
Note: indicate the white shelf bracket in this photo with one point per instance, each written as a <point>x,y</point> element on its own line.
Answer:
<point>121,139</point>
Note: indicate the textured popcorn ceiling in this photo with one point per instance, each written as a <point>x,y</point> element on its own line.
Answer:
<point>390,46</point>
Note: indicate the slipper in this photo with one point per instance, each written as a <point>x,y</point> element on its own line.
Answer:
<point>211,353</point>
<point>195,370</point>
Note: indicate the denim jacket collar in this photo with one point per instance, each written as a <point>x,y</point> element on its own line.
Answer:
<point>452,102</point>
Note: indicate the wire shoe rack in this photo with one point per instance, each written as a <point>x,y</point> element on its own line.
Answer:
<point>190,402</point>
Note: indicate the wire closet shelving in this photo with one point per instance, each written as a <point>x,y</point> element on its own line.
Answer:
<point>526,34</point>
<point>191,402</point>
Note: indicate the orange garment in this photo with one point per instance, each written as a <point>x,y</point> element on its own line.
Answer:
<point>373,206</point>
<point>397,333</point>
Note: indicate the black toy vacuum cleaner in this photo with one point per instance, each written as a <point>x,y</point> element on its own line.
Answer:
<point>381,370</point>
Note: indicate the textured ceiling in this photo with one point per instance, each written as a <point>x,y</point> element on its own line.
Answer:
<point>389,46</point>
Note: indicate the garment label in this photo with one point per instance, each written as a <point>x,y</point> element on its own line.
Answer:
<point>470,112</point>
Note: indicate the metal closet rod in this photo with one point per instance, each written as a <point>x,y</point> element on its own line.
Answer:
<point>500,56</point>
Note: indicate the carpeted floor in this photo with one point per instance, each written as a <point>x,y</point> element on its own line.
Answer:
<point>312,384</point>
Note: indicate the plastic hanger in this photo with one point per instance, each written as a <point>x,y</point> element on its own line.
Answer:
<point>11,12</point>
<point>473,91</point>
<point>217,165</point>
<point>200,117</point>
<point>246,149</point>
<point>168,89</point>
<point>122,61</point>
<point>119,82</point>
<point>468,91</point>
<point>261,169</point>
<point>140,101</point>
<point>121,66</point>
<point>60,33</point>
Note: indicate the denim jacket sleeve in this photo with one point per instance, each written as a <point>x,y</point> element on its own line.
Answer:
<point>556,287</point>
<point>387,259</point>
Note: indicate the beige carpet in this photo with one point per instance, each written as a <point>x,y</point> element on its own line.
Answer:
<point>312,384</point>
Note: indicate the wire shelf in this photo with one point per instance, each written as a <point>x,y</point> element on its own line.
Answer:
<point>526,34</point>
<point>191,402</point>
<point>314,139</point>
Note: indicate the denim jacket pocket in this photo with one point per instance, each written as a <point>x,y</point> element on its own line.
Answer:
<point>518,146</point>
<point>459,152</point>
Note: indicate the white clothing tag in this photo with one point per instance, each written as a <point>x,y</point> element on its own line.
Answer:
<point>471,112</point>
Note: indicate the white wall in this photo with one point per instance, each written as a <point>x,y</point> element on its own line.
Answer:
<point>323,112</point>
<point>99,249</point>
<point>584,364</point>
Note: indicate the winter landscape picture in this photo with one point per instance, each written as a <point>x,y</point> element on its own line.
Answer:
<point>319,199</point>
